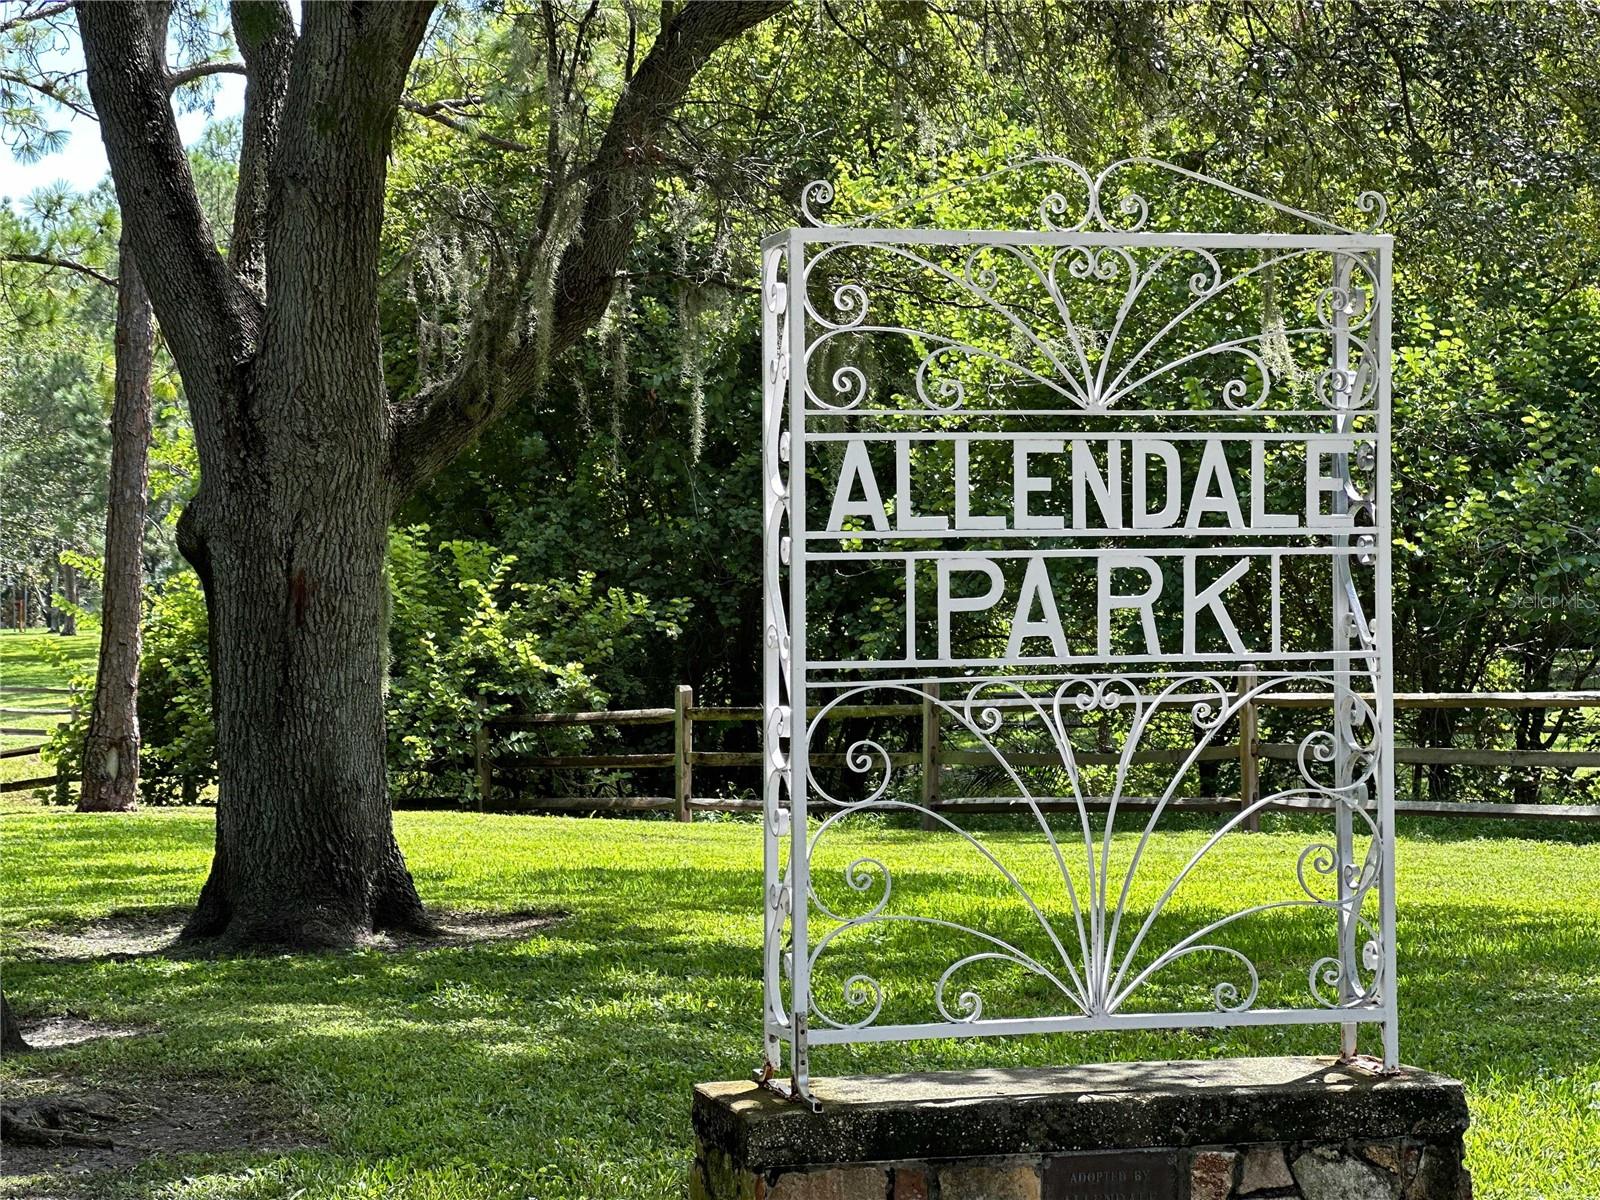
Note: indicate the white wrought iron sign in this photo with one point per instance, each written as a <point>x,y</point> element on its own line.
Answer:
<point>1084,491</point>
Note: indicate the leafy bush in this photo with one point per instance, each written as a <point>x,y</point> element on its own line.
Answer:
<point>178,756</point>
<point>466,641</point>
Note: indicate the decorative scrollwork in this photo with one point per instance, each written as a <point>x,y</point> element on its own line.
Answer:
<point>1325,972</point>
<point>1208,714</point>
<point>969,1003</point>
<point>1103,975</point>
<point>775,289</point>
<point>1336,984</point>
<point>1104,692</point>
<point>850,301</point>
<point>858,990</point>
<point>862,875</point>
<point>818,192</point>
<point>1323,860</point>
<point>1089,368</point>
<point>1375,206</point>
<point>1056,206</point>
<point>1225,993</point>
<point>1344,743</point>
<point>849,382</point>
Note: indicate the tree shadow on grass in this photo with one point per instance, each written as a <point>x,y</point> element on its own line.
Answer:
<point>577,1045</point>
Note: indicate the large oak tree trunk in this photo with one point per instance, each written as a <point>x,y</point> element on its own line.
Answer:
<point>292,548</point>
<point>304,853</point>
<point>111,746</point>
<point>303,460</point>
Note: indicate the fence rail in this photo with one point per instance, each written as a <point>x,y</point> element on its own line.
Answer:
<point>507,768</point>
<point>33,748</point>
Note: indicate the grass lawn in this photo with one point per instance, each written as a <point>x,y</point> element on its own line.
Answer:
<point>559,1065</point>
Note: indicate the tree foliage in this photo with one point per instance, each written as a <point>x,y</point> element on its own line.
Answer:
<point>620,378</point>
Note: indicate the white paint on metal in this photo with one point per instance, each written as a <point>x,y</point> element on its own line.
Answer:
<point>1086,356</point>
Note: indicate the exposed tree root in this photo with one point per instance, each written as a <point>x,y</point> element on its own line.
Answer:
<point>54,1123</point>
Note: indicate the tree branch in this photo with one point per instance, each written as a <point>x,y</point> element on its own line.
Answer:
<point>440,112</point>
<point>64,264</point>
<point>623,164</point>
<point>1403,77</point>
<point>211,323</point>
<point>176,79</point>
<point>49,87</point>
<point>41,14</point>
<point>447,418</point>
<point>264,30</point>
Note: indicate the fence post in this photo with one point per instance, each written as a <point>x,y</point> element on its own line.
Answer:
<point>1249,767</point>
<point>683,748</point>
<point>480,751</point>
<point>931,766</point>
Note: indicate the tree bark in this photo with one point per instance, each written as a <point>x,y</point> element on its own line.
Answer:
<point>11,1039</point>
<point>304,851</point>
<point>68,625</point>
<point>111,747</point>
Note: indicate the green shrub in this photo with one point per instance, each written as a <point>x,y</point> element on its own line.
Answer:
<point>463,632</point>
<point>178,755</point>
<point>465,640</point>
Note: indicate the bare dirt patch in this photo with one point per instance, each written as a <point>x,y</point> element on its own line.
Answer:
<point>471,928</point>
<point>119,936</point>
<point>59,1132</point>
<point>129,935</point>
<point>54,1033</point>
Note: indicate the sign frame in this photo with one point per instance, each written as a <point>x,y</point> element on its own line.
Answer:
<point>799,691</point>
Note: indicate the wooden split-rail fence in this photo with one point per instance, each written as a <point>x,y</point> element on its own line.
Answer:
<point>9,728</point>
<point>509,771</point>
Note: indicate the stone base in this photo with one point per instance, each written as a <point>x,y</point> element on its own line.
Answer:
<point>1261,1128</point>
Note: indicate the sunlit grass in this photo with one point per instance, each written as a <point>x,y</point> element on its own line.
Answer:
<point>560,1066</point>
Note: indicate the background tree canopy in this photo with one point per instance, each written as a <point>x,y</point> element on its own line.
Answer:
<point>640,463</point>
<point>600,544</point>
